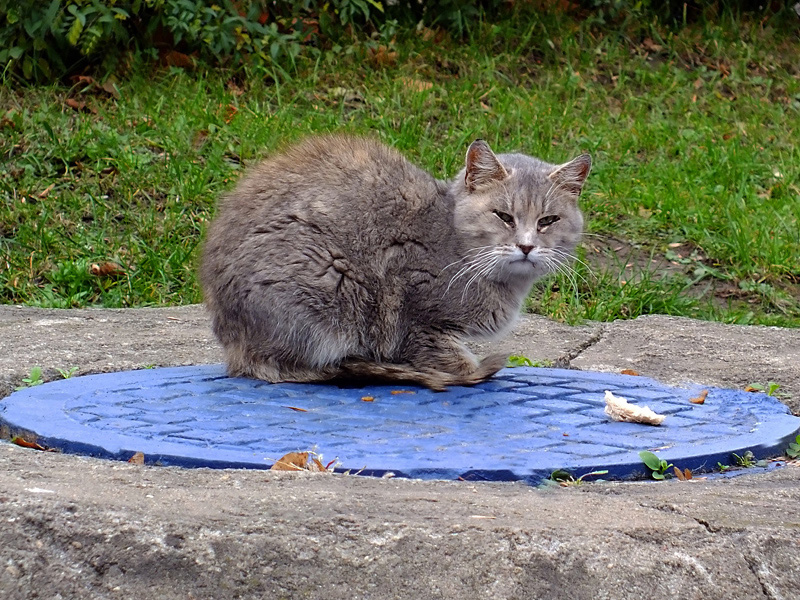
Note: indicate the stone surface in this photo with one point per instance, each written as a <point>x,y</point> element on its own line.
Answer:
<point>78,527</point>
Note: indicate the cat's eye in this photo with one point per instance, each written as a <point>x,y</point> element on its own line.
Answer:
<point>505,217</point>
<point>547,221</point>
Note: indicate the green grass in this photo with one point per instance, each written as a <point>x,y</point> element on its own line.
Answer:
<point>695,146</point>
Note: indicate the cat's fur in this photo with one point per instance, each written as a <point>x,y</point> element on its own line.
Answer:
<point>340,258</point>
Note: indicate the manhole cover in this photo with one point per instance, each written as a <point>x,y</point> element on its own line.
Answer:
<point>522,425</point>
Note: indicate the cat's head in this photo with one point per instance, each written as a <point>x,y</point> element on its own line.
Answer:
<point>518,216</point>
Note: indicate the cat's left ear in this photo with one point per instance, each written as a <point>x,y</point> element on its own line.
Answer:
<point>482,166</point>
<point>572,175</point>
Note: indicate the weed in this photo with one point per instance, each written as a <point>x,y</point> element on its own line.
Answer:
<point>658,467</point>
<point>722,467</point>
<point>747,460</point>
<point>563,478</point>
<point>523,361</point>
<point>67,373</point>
<point>793,451</point>
<point>770,389</point>
<point>35,378</point>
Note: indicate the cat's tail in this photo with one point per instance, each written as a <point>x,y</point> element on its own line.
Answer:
<point>431,378</point>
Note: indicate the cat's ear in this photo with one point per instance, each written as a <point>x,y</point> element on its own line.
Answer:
<point>572,175</point>
<point>482,166</point>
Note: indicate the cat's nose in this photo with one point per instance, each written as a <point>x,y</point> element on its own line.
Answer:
<point>525,248</point>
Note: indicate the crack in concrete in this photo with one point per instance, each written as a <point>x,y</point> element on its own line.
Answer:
<point>757,569</point>
<point>565,360</point>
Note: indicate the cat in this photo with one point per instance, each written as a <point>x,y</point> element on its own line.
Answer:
<point>339,258</point>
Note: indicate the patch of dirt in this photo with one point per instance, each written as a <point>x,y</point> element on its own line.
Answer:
<point>632,262</point>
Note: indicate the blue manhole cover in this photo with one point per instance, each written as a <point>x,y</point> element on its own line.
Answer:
<point>521,425</point>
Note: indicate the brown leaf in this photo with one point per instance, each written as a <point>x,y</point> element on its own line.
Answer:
<point>395,392</point>
<point>367,398</point>
<point>106,269</point>
<point>294,461</point>
<point>415,85</point>
<point>629,372</point>
<point>137,458</point>
<point>650,45</point>
<point>296,408</point>
<point>750,388</point>
<point>110,87</point>
<point>47,190</point>
<point>687,473</point>
<point>700,399</point>
<point>698,83</point>
<point>230,112</point>
<point>383,57</point>
<point>20,441</point>
<point>173,58</point>
<point>679,474</point>
<point>76,104</point>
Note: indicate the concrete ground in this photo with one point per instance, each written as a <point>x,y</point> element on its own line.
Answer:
<point>74,527</point>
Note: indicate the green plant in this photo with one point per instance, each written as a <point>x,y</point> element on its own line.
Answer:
<point>747,460</point>
<point>722,467</point>
<point>658,467</point>
<point>523,361</point>
<point>563,478</point>
<point>67,373</point>
<point>35,378</point>
<point>770,389</point>
<point>793,450</point>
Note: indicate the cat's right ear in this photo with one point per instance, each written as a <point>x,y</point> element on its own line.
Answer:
<point>483,167</point>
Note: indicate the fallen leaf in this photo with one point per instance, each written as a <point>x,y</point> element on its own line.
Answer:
<point>700,399</point>
<point>137,458</point>
<point>294,461</point>
<point>75,104</point>
<point>367,398</point>
<point>619,409</point>
<point>750,388</point>
<point>698,83</point>
<point>687,473</point>
<point>395,392</point>
<point>173,58</point>
<point>382,56</point>
<point>47,190</point>
<point>230,112</point>
<point>20,441</point>
<point>679,474</point>
<point>296,408</point>
<point>629,372</point>
<point>416,85</point>
<point>110,87</point>
<point>649,44</point>
<point>106,269</point>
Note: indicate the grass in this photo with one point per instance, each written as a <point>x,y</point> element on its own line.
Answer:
<point>693,202</point>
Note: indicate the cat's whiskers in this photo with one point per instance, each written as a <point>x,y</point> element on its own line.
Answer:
<point>476,262</point>
<point>482,272</point>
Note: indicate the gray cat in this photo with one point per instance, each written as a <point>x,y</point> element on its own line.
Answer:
<point>339,258</point>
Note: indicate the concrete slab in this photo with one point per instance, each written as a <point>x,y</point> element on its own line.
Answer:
<point>85,528</point>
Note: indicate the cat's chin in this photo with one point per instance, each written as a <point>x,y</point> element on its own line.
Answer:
<point>522,272</point>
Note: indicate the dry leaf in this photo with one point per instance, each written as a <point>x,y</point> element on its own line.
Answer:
<point>750,388</point>
<point>650,45</point>
<point>137,459</point>
<point>297,408</point>
<point>383,57</point>
<point>367,398</point>
<point>629,372</point>
<point>294,461</point>
<point>678,473</point>
<point>619,409</point>
<point>700,398</point>
<point>20,441</point>
<point>698,83</point>
<point>106,269</point>
<point>79,105</point>
<point>173,58</point>
<point>47,190</point>
<point>395,392</point>
<point>416,85</point>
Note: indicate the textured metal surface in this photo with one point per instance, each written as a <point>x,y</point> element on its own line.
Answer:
<point>521,425</point>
